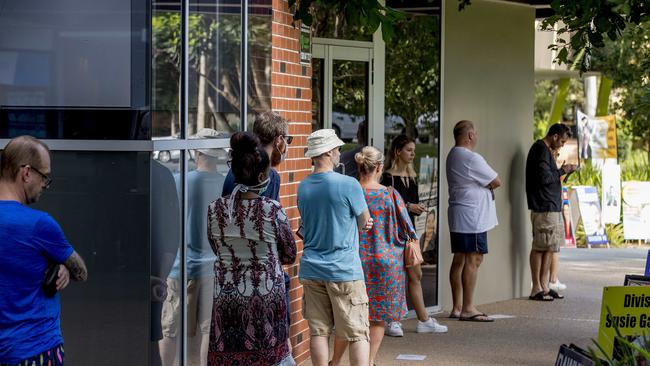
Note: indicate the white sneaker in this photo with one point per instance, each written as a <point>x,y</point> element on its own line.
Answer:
<point>557,286</point>
<point>430,326</point>
<point>394,329</point>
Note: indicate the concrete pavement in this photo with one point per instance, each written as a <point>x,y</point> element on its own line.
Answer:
<point>537,330</point>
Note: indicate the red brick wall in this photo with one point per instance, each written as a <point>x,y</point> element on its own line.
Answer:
<point>291,97</point>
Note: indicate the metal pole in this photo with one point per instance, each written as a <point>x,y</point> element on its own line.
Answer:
<point>243,97</point>
<point>184,117</point>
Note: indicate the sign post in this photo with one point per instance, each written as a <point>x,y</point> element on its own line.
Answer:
<point>626,308</point>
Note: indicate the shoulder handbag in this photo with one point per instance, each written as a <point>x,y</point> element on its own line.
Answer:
<point>412,251</point>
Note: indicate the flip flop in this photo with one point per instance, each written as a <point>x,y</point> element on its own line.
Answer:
<point>540,296</point>
<point>454,316</point>
<point>554,294</point>
<point>476,318</point>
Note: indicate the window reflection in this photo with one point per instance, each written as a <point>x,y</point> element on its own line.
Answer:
<point>214,79</point>
<point>165,241</point>
<point>165,68</point>
<point>101,200</point>
<point>412,108</point>
<point>206,174</point>
<point>204,185</point>
<point>54,53</point>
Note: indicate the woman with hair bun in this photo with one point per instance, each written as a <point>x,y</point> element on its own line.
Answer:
<point>252,239</point>
<point>381,250</point>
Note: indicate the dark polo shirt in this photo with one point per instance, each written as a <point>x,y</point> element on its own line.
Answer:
<point>543,184</point>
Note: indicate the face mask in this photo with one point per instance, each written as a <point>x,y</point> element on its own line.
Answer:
<point>260,188</point>
<point>278,156</point>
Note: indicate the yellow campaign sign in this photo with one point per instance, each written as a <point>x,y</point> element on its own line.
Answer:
<point>630,312</point>
<point>611,135</point>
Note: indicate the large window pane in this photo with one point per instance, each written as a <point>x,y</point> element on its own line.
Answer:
<point>412,108</point>
<point>165,68</point>
<point>165,244</point>
<point>215,64</point>
<point>59,61</point>
<point>204,185</point>
<point>259,58</point>
<point>101,200</point>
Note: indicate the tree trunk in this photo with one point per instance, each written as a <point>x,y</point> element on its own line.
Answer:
<point>200,108</point>
<point>220,123</point>
<point>411,130</point>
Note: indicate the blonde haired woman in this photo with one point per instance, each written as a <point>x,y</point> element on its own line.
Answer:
<point>381,250</point>
<point>401,176</point>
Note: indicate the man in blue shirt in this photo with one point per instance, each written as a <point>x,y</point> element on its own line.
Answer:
<point>204,186</point>
<point>272,130</point>
<point>30,330</point>
<point>333,210</point>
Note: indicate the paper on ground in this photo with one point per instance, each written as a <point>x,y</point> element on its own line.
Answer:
<point>501,316</point>
<point>411,357</point>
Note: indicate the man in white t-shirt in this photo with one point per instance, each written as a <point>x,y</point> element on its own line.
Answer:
<point>471,214</point>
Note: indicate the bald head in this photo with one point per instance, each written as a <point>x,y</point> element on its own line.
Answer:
<point>22,150</point>
<point>461,130</point>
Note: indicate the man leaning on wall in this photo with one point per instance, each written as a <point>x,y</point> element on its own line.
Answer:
<point>32,243</point>
<point>472,213</point>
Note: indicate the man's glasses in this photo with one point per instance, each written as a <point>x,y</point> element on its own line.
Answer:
<point>288,139</point>
<point>47,178</point>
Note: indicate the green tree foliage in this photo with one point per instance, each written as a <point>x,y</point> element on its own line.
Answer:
<point>588,23</point>
<point>365,14</point>
<point>626,61</point>
<point>413,70</point>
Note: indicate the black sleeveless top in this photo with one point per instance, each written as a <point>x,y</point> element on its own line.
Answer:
<point>409,194</point>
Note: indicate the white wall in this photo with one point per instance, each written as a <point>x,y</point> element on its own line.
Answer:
<point>488,77</point>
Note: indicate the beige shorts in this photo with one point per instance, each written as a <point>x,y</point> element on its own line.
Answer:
<point>199,307</point>
<point>548,231</point>
<point>342,306</point>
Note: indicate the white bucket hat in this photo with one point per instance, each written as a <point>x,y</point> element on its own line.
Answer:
<point>322,141</point>
<point>209,133</point>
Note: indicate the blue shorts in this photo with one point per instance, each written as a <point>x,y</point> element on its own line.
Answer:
<point>469,243</point>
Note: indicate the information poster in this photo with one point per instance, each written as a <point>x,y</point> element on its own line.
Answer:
<point>596,137</point>
<point>611,197</point>
<point>629,311</point>
<point>426,225</point>
<point>589,204</point>
<point>636,210</point>
<point>569,237</point>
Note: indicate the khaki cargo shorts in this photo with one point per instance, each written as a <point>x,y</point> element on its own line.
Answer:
<point>342,306</point>
<point>548,231</point>
<point>199,307</point>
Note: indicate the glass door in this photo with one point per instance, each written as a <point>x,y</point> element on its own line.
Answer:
<point>342,94</point>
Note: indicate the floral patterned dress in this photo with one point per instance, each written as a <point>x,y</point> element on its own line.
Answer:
<point>382,254</point>
<point>249,313</point>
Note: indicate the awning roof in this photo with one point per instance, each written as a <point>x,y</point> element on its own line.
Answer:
<point>432,7</point>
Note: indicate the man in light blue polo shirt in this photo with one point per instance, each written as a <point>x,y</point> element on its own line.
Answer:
<point>333,210</point>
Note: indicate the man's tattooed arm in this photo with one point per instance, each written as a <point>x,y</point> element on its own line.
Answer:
<point>75,264</point>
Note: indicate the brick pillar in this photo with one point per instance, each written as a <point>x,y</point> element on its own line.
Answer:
<point>291,97</point>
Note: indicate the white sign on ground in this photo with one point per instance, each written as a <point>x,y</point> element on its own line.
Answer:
<point>411,357</point>
<point>636,210</point>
